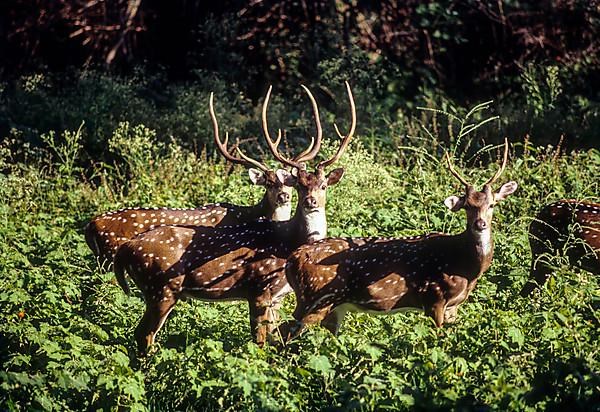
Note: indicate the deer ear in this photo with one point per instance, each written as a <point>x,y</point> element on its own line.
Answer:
<point>506,190</point>
<point>454,203</point>
<point>334,176</point>
<point>257,177</point>
<point>285,177</point>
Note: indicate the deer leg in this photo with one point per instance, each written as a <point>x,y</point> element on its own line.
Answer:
<point>591,263</point>
<point>539,274</point>
<point>260,321</point>
<point>436,311</point>
<point>457,293</point>
<point>273,317</point>
<point>586,258</point>
<point>542,247</point>
<point>154,317</point>
<point>290,330</point>
<point>333,321</point>
<point>276,299</point>
<point>450,314</point>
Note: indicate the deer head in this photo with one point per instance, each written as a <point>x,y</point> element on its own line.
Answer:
<point>312,186</point>
<point>277,183</point>
<point>479,205</point>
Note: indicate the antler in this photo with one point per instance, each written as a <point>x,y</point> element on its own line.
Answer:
<point>315,145</point>
<point>492,179</point>
<point>222,146</point>
<point>502,166</point>
<point>305,154</point>
<point>454,172</point>
<point>345,139</point>
<point>300,156</point>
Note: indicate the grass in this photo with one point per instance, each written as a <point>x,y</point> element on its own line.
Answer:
<point>67,329</point>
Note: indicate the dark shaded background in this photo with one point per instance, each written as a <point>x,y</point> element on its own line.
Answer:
<point>467,51</point>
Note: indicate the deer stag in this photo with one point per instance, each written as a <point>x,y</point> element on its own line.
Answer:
<point>434,272</point>
<point>235,262</point>
<point>567,227</point>
<point>105,233</point>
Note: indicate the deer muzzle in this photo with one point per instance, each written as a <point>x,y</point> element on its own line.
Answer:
<point>283,198</point>
<point>310,203</point>
<point>480,225</point>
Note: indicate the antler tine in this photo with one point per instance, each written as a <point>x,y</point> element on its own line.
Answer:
<point>502,166</point>
<point>222,146</point>
<point>251,161</point>
<point>274,144</point>
<point>345,139</point>
<point>315,146</point>
<point>303,153</point>
<point>454,172</point>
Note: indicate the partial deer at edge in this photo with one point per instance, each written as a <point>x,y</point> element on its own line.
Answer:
<point>244,262</point>
<point>567,227</point>
<point>105,233</point>
<point>434,272</point>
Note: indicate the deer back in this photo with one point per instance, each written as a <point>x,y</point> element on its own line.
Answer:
<point>106,232</point>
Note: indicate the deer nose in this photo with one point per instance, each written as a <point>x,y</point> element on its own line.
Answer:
<point>481,224</point>
<point>283,197</point>
<point>310,203</point>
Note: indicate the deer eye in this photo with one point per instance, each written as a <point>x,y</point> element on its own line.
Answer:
<point>324,186</point>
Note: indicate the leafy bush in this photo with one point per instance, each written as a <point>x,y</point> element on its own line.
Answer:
<point>547,109</point>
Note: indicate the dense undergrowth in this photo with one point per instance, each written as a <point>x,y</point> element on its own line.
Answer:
<point>66,327</point>
<point>546,106</point>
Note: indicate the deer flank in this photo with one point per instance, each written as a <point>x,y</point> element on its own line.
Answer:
<point>567,227</point>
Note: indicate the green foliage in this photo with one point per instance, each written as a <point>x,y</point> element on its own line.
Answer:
<point>66,327</point>
<point>546,106</point>
<point>542,88</point>
<point>68,151</point>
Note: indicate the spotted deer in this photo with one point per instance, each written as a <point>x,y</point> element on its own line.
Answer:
<point>567,227</point>
<point>435,272</point>
<point>244,262</point>
<point>105,233</point>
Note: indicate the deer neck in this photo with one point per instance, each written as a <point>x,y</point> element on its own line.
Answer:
<point>315,225</point>
<point>480,247</point>
<point>309,227</point>
<point>263,209</point>
<point>484,243</point>
<point>281,213</point>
